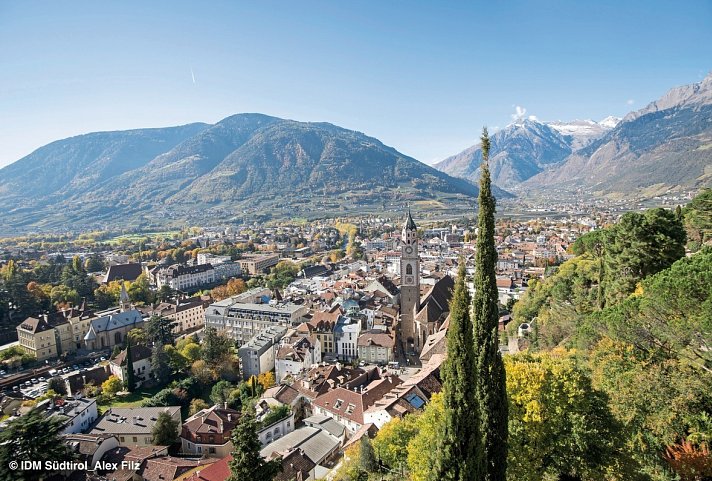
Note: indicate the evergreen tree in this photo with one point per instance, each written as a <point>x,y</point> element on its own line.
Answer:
<point>159,330</point>
<point>159,364</point>
<point>130,379</point>
<point>31,437</point>
<point>165,431</point>
<point>215,346</point>
<point>58,385</point>
<point>247,464</point>
<point>490,375</point>
<point>459,454</point>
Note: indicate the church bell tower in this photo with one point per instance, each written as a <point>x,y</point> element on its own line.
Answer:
<point>410,286</point>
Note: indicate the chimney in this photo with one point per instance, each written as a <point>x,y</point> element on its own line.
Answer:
<point>225,405</point>
<point>229,417</point>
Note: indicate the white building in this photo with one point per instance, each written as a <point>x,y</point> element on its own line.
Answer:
<point>226,270</point>
<point>179,277</point>
<point>242,321</point>
<point>77,413</point>
<point>208,258</point>
<point>141,359</point>
<point>257,356</point>
<point>346,334</point>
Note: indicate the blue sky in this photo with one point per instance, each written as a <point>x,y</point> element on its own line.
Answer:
<point>423,77</point>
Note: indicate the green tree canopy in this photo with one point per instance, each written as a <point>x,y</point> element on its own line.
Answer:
<point>165,431</point>
<point>247,463</point>
<point>31,437</point>
<point>558,424</point>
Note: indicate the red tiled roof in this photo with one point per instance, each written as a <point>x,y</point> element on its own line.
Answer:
<point>351,404</point>
<point>218,471</point>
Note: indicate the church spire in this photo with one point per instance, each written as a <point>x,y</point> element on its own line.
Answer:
<point>410,223</point>
<point>124,300</point>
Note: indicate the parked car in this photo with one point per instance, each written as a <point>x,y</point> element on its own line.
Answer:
<point>104,359</point>
<point>75,368</point>
<point>16,388</point>
<point>34,380</point>
<point>42,379</point>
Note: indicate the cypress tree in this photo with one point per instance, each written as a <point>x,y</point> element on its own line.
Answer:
<point>490,375</point>
<point>459,454</point>
<point>130,377</point>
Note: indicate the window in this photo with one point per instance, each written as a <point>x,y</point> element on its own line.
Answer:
<point>211,450</point>
<point>338,404</point>
<point>135,439</point>
<point>409,270</point>
<point>350,409</point>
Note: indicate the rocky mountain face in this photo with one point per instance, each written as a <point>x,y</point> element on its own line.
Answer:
<point>525,148</point>
<point>246,163</point>
<point>665,146</point>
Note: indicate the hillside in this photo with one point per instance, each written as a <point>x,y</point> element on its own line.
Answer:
<point>247,165</point>
<point>59,169</point>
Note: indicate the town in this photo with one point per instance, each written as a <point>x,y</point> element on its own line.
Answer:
<point>146,348</point>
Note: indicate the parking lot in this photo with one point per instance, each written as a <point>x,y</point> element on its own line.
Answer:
<point>37,386</point>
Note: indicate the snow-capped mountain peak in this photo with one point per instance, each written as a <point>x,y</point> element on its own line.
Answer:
<point>582,132</point>
<point>610,122</point>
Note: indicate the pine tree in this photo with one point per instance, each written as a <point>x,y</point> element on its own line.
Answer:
<point>247,464</point>
<point>459,454</point>
<point>490,375</point>
<point>130,377</point>
<point>32,437</point>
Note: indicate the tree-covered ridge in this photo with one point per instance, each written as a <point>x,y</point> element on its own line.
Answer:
<point>244,163</point>
<point>638,314</point>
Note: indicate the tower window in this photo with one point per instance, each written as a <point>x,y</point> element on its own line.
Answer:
<point>409,270</point>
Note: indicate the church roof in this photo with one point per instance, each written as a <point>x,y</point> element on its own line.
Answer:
<point>409,223</point>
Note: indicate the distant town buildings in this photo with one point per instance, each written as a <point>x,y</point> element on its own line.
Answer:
<point>255,264</point>
<point>184,278</point>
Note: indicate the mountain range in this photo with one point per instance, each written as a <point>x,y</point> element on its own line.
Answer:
<point>247,165</point>
<point>253,166</point>
<point>666,146</point>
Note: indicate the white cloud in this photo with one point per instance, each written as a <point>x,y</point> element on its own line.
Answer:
<point>519,113</point>
<point>630,102</point>
<point>533,117</point>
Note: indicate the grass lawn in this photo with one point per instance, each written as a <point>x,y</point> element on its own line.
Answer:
<point>131,400</point>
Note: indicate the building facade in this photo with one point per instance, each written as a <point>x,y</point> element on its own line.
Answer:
<point>181,278</point>
<point>243,321</point>
<point>255,264</point>
<point>258,354</point>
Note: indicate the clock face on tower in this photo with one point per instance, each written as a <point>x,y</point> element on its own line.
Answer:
<point>408,279</point>
<point>408,250</point>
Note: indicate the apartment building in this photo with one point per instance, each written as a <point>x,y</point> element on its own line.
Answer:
<point>243,321</point>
